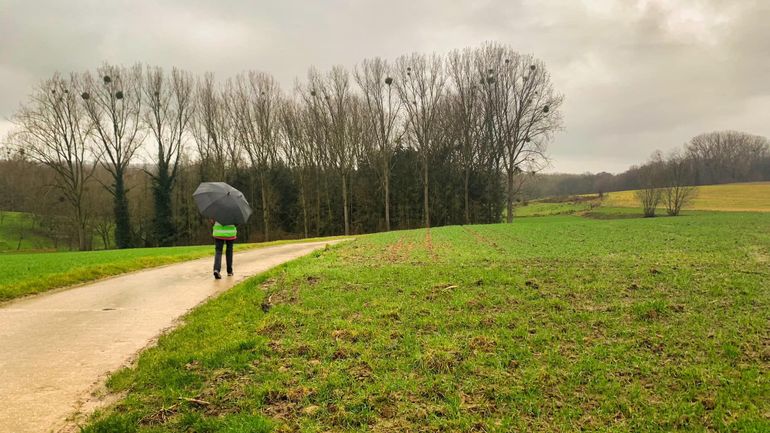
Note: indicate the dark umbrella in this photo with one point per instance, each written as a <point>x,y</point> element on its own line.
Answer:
<point>222,203</point>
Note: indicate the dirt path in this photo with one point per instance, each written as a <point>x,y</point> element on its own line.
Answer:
<point>55,348</point>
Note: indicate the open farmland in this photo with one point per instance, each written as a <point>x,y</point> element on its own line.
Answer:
<point>558,323</point>
<point>747,197</point>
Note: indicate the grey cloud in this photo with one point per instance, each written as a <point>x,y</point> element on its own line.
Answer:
<point>637,76</point>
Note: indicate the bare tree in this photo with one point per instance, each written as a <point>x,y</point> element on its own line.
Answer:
<point>214,131</point>
<point>726,156</point>
<point>649,197</point>
<point>205,129</point>
<point>383,107</point>
<point>468,114</point>
<point>356,134</point>
<point>113,102</point>
<point>257,108</point>
<point>421,85</point>
<point>167,114</point>
<point>339,115</point>
<point>104,227</point>
<point>54,130</point>
<point>318,134</point>
<point>650,178</point>
<point>678,190</point>
<point>462,123</point>
<point>297,149</point>
<point>523,110</point>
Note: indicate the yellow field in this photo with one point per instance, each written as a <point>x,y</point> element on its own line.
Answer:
<point>750,196</point>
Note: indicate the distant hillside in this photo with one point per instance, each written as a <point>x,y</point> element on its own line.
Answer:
<point>750,196</point>
<point>18,232</point>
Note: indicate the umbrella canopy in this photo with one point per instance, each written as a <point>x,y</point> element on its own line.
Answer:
<point>222,203</point>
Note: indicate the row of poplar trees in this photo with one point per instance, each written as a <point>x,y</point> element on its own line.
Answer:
<point>478,117</point>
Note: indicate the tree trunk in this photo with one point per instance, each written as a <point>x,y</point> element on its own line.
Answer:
<point>106,239</point>
<point>345,203</point>
<point>265,210</point>
<point>318,204</point>
<point>122,219</point>
<point>328,202</point>
<point>425,190</point>
<point>81,226</point>
<point>509,198</point>
<point>467,196</point>
<point>386,188</point>
<point>351,197</point>
<point>303,198</point>
<point>164,230</point>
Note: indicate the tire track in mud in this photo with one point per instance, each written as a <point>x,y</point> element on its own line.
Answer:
<point>429,244</point>
<point>393,250</point>
<point>484,239</point>
<point>399,251</point>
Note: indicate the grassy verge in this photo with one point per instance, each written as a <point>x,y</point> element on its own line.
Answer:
<point>549,324</point>
<point>28,273</point>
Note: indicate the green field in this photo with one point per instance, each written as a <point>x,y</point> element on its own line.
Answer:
<point>28,273</point>
<point>559,323</point>
<point>546,209</point>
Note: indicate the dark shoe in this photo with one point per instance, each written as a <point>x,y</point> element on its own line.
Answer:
<point>217,275</point>
<point>229,274</point>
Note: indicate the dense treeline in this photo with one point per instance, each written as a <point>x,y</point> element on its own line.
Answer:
<point>423,140</point>
<point>710,158</point>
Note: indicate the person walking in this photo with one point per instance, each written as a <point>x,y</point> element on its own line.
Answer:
<point>223,235</point>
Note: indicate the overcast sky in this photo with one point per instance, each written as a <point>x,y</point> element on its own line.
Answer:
<point>637,75</point>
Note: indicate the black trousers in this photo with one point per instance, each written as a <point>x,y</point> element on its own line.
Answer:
<point>228,255</point>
